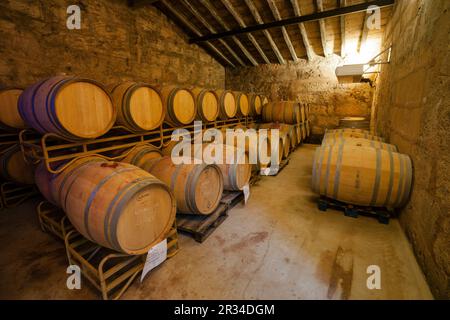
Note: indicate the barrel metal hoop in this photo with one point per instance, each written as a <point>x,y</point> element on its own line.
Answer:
<point>407,187</point>
<point>109,210</point>
<point>376,185</point>
<point>130,192</point>
<point>125,102</point>
<point>191,182</point>
<point>51,109</point>
<point>94,193</point>
<point>174,177</point>
<point>337,175</point>
<point>313,182</point>
<point>319,176</point>
<point>391,179</point>
<point>327,172</point>
<point>36,122</point>
<point>400,182</point>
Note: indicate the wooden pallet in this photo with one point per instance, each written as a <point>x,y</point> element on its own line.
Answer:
<point>201,227</point>
<point>382,214</point>
<point>275,170</point>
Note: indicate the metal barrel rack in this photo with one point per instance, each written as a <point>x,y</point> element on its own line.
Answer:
<point>13,194</point>
<point>110,272</point>
<point>53,149</point>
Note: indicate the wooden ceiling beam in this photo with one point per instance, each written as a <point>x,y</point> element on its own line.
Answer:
<point>236,40</point>
<point>194,29</point>
<point>287,39</point>
<point>343,3</point>
<point>309,50</point>
<point>364,32</point>
<point>360,7</point>
<point>323,30</point>
<point>259,20</point>
<point>210,28</point>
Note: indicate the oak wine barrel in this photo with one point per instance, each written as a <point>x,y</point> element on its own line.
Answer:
<point>197,188</point>
<point>139,106</point>
<point>282,111</point>
<point>10,118</point>
<point>354,123</point>
<point>234,164</point>
<point>243,106</point>
<point>118,206</point>
<point>71,107</point>
<point>361,142</point>
<point>13,166</point>
<point>351,133</point>
<point>180,104</point>
<point>207,104</point>
<point>252,145</point>
<point>255,104</point>
<point>227,104</point>
<point>141,154</point>
<point>362,175</point>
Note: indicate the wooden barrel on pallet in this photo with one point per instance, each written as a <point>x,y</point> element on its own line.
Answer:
<point>180,104</point>
<point>284,129</point>
<point>362,175</point>
<point>10,118</point>
<point>118,206</point>
<point>351,133</point>
<point>207,104</point>
<point>139,106</point>
<point>283,111</point>
<point>197,188</point>
<point>233,163</point>
<point>243,106</point>
<point>360,142</point>
<point>14,168</point>
<point>227,104</point>
<point>252,142</point>
<point>141,154</point>
<point>71,107</point>
<point>354,123</point>
<point>255,104</point>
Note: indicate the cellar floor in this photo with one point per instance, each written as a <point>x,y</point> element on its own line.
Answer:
<point>278,246</point>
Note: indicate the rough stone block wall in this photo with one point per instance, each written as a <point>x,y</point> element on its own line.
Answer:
<point>115,43</point>
<point>313,82</point>
<point>412,109</point>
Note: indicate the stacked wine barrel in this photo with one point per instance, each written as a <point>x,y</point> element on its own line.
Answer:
<point>116,205</point>
<point>291,119</point>
<point>130,205</point>
<point>356,167</point>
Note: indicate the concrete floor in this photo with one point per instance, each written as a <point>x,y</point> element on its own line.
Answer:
<point>278,246</point>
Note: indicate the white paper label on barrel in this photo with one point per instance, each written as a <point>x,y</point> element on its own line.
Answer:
<point>246,191</point>
<point>155,256</point>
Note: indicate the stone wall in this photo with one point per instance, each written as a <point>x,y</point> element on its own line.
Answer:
<point>314,82</point>
<point>412,109</point>
<point>115,43</point>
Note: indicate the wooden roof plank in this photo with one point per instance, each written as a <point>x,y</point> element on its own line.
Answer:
<point>287,39</point>
<point>258,19</point>
<point>194,30</point>
<point>309,50</point>
<point>211,29</point>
